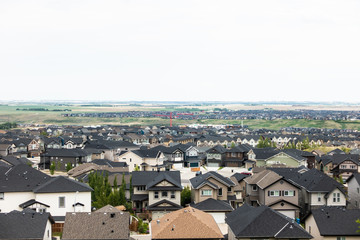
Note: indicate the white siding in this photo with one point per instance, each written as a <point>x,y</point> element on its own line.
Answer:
<point>12,200</point>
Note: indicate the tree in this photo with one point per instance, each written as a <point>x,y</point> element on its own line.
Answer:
<point>52,168</point>
<point>233,145</point>
<point>185,196</point>
<point>68,166</point>
<point>358,221</point>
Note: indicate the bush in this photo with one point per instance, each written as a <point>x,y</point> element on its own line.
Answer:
<point>52,168</point>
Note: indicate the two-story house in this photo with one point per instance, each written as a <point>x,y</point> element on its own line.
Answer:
<point>270,189</point>
<point>156,192</point>
<point>61,157</point>
<point>215,155</point>
<point>143,160</point>
<point>23,187</point>
<point>212,185</point>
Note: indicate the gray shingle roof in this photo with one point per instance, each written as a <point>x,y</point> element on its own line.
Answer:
<point>23,225</point>
<point>199,180</point>
<point>213,205</point>
<point>62,184</point>
<point>336,221</point>
<point>263,222</point>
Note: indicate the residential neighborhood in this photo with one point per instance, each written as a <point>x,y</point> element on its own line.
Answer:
<point>121,182</point>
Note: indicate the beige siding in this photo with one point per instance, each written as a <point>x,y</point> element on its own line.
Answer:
<point>282,187</point>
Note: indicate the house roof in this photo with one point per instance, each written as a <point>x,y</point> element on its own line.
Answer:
<point>106,162</point>
<point>62,184</point>
<point>163,176</point>
<point>65,153</point>
<point>15,161</point>
<point>263,222</point>
<point>198,181</point>
<point>23,225</point>
<point>146,153</point>
<point>143,178</point>
<point>108,208</point>
<point>163,205</point>
<point>31,202</point>
<point>176,225</point>
<point>21,178</point>
<point>356,176</point>
<point>263,179</point>
<point>96,225</point>
<point>213,205</point>
<point>337,221</point>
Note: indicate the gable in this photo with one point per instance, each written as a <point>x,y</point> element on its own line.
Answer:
<point>164,184</point>
<point>282,158</point>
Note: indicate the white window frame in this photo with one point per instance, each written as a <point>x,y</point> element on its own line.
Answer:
<point>206,192</point>
<point>62,205</point>
<point>172,195</point>
<point>289,193</point>
<point>274,193</point>
<point>156,194</point>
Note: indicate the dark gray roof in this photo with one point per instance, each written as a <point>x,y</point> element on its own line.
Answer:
<point>263,222</point>
<point>356,176</point>
<point>239,176</point>
<point>146,153</point>
<point>213,205</point>
<point>337,221</point>
<point>21,178</point>
<point>171,206</point>
<point>163,176</point>
<point>96,225</point>
<point>15,161</point>
<point>23,225</point>
<point>62,184</point>
<point>65,153</point>
<point>31,202</point>
<point>143,178</point>
<point>199,180</point>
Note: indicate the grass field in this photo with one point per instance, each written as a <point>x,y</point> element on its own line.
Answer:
<point>8,113</point>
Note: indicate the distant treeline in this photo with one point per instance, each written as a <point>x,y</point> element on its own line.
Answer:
<point>8,125</point>
<point>96,105</point>
<point>43,109</point>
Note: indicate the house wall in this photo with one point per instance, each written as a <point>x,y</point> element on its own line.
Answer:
<point>176,200</point>
<point>199,198</point>
<point>220,185</point>
<point>12,200</point>
<point>330,201</point>
<point>281,186</point>
<point>52,199</point>
<point>48,231</point>
<point>314,199</point>
<point>131,159</point>
<point>282,159</point>
<point>354,194</point>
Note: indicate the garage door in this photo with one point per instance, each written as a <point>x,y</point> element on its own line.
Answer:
<point>219,217</point>
<point>213,164</point>
<point>290,214</point>
<point>177,165</point>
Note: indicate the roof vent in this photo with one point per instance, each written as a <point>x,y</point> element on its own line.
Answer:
<point>103,223</point>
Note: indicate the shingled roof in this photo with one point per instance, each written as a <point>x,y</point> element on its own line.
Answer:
<point>263,222</point>
<point>177,225</point>
<point>337,221</point>
<point>96,225</point>
<point>199,180</point>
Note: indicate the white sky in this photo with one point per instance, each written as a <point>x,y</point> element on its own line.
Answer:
<point>185,50</point>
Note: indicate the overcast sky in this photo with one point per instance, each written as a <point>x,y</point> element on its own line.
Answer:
<point>122,50</point>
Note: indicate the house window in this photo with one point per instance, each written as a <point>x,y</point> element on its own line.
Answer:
<point>319,197</point>
<point>309,229</point>
<point>340,238</point>
<point>61,202</point>
<point>156,194</point>
<point>1,196</point>
<point>220,192</point>
<point>336,197</point>
<point>229,189</point>
<point>130,159</point>
<point>289,193</point>
<point>358,190</point>
<point>352,166</point>
<point>141,188</point>
<point>164,194</point>
<point>173,194</point>
<point>342,166</point>
<point>275,193</point>
<point>356,204</point>
<point>206,192</point>
<point>254,188</point>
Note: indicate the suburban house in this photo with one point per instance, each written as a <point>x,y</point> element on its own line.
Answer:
<point>234,157</point>
<point>212,185</point>
<point>23,187</point>
<point>26,224</point>
<point>143,160</point>
<point>247,222</point>
<point>239,189</point>
<point>156,192</point>
<point>267,157</point>
<point>333,223</point>
<point>61,157</point>
<point>97,225</point>
<point>340,165</point>
<point>353,183</point>
<point>186,223</point>
<point>317,188</point>
<point>270,189</point>
<point>215,155</point>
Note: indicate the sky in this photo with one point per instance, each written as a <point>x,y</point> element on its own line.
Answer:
<point>180,50</point>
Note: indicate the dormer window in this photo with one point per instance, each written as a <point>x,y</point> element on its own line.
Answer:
<point>254,188</point>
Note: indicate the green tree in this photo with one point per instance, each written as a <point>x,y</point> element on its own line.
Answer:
<point>358,221</point>
<point>185,196</point>
<point>68,166</point>
<point>52,168</point>
<point>233,145</point>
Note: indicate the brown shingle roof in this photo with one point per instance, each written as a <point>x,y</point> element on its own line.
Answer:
<point>96,225</point>
<point>263,179</point>
<point>186,223</point>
